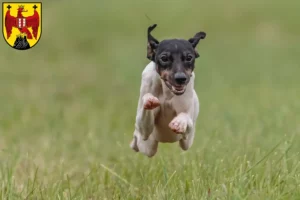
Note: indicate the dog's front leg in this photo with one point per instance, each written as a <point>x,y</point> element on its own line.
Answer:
<point>148,107</point>
<point>145,115</point>
<point>183,124</point>
<point>142,140</point>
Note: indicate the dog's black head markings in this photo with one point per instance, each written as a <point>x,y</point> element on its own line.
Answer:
<point>174,58</point>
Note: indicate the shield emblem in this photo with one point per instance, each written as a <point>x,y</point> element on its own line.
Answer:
<point>22,24</point>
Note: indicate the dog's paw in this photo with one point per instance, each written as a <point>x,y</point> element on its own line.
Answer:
<point>133,144</point>
<point>178,125</point>
<point>151,102</point>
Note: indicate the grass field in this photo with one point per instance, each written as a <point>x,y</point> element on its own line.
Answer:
<point>67,106</point>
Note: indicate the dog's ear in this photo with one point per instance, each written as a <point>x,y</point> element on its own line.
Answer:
<point>195,40</point>
<point>152,43</point>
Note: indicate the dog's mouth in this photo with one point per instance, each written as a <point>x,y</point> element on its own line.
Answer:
<point>176,89</point>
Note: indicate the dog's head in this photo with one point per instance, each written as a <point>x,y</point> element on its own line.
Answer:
<point>174,58</point>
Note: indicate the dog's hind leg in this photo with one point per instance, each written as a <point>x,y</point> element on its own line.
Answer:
<point>133,143</point>
<point>147,147</point>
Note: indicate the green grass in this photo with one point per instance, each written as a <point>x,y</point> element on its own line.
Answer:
<point>67,106</point>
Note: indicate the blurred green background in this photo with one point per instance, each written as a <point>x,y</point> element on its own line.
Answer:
<point>67,106</point>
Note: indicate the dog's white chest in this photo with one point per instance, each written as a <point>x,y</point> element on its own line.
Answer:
<point>166,113</point>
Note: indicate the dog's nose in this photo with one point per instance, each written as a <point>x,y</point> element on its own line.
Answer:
<point>180,78</point>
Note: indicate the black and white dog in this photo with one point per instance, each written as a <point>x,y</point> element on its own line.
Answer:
<point>168,105</point>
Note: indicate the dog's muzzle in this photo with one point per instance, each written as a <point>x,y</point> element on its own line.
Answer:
<point>177,90</point>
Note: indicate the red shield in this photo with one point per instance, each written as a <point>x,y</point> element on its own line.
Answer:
<point>21,22</point>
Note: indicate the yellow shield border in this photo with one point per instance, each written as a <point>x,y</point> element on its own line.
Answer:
<point>4,10</point>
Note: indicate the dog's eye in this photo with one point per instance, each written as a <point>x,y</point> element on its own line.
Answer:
<point>189,58</point>
<point>164,58</point>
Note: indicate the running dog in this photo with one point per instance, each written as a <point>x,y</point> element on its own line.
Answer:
<point>168,105</point>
